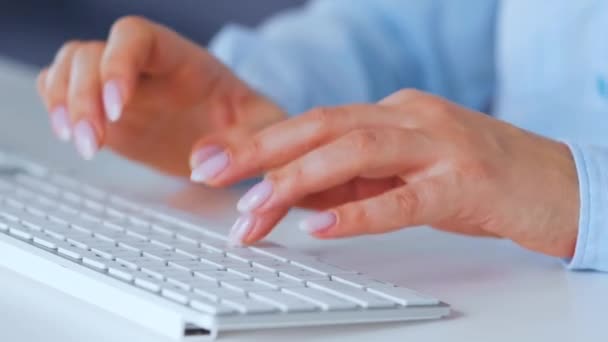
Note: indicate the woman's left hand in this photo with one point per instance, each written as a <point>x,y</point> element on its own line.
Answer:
<point>412,159</point>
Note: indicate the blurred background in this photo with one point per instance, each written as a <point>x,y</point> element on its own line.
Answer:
<point>31,31</point>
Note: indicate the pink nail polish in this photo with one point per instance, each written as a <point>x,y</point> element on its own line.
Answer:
<point>85,139</point>
<point>210,168</point>
<point>318,222</point>
<point>112,101</point>
<point>203,154</point>
<point>60,121</point>
<point>241,228</point>
<point>255,197</point>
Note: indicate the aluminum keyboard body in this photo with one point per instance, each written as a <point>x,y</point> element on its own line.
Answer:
<point>173,276</point>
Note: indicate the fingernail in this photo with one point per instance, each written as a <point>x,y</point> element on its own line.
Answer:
<point>112,100</point>
<point>85,139</point>
<point>60,121</point>
<point>240,230</point>
<point>318,222</point>
<point>210,168</point>
<point>255,197</point>
<point>203,154</point>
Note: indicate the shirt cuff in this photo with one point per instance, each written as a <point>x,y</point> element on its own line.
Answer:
<point>591,251</point>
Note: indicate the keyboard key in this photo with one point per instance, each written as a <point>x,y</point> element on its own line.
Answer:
<point>274,252</point>
<point>69,251</point>
<point>245,286</point>
<point>326,301</point>
<point>249,305</point>
<point>280,282</point>
<point>193,265</point>
<point>207,306</point>
<point>284,301</point>
<point>10,213</point>
<point>20,232</point>
<point>357,280</point>
<point>217,293</point>
<point>95,262</point>
<point>223,261</point>
<point>121,272</point>
<point>300,274</point>
<point>268,263</point>
<point>176,294</point>
<point>320,267</point>
<point>353,294</point>
<point>148,282</point>
<point>43,240</point>
<point>15,204</point>
<point>402,295</point>
<point>251,273</point>
<point>218,275</point>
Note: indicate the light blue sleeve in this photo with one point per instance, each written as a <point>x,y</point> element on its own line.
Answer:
<point>591,251</point>
<point>334,52</point>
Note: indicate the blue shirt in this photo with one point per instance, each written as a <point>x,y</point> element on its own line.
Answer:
<point>541,65</point>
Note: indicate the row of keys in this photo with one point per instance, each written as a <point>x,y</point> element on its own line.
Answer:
<point>161,250</point>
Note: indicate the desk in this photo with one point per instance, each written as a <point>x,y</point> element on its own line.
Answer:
<point>499,291</point>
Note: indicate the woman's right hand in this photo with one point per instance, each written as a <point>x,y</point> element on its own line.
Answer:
<point>148,94</point>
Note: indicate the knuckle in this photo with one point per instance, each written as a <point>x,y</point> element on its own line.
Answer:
<point>408,202</point>
<point>93,46</point>
<point>408,94</point>
<point>67,49</point>
<point>250,156</point>
<point>359,217</point>
<point>82,106</point>
<point>476,170</point>
<point>322,117</point>
<point>286,180</point>
<point>435,109</point>
<point>128,23</point>
<point>254,149</point>
<point>86,51</point>
<point>363,141</point>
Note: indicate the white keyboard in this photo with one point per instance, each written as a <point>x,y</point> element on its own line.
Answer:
<point>173,276</point>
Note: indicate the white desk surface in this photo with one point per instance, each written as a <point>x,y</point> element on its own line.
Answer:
<point>499,292</point>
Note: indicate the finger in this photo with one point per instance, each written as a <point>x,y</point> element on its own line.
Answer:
<point>402,96</point>
<point>135,47</point>
<point>249,229</point>
<point>371,153</point>
<point>41,81</point>
<point>84,100</point>
<point>421,203</point>
<point>290,139</point>
<point>58,76</point>
<point>59,118</point>
<point>261,225</point>
<point>355,190</point>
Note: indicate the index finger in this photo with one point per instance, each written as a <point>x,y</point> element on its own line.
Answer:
<point>286,141</point>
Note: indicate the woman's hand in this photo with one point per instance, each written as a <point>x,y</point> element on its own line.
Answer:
<point>413,159</point>
<point>148,94</point>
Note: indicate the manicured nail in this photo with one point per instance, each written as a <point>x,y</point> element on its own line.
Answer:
<point>210,168</point>
<point>255,197</point>
<point>60,121</point>
<point>318,222</point>
<point>85,139</point>
<point>112,100</point>
<point>240,230</point>
<point>203,154</point>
